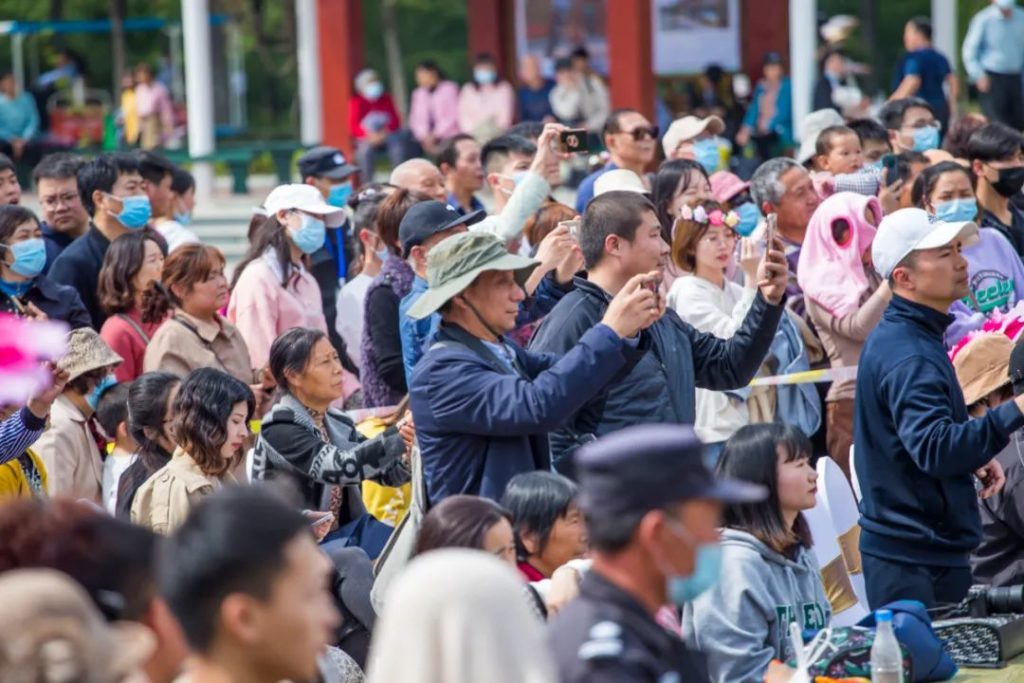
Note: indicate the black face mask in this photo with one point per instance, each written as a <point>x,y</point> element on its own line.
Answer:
<point>1010,181</point>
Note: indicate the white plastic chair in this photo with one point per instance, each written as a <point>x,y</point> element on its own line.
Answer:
<point>826,550</point>
<point>835,492</point>
<point>853,477</point>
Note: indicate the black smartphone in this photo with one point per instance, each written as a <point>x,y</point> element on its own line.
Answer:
<point>574,141</point>
<point>894,170</point>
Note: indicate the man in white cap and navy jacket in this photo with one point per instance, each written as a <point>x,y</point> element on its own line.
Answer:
<point>922,463</point>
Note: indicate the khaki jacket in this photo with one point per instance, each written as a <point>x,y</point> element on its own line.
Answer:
<point>69,453</point>
<point>183,344</point>
<point>163,501</point>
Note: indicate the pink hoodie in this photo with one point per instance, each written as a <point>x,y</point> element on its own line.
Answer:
<point>832,274</point>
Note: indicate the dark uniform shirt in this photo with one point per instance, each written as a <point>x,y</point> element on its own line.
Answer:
<point>607,636</point>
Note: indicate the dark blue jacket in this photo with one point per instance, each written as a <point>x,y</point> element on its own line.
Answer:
<point>660,388</point>
<point>479,423</point>
<point>55,242</point>
<point>916,448</point>
<point>58,302</point>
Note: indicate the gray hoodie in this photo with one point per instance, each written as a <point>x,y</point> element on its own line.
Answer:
<point>742,622</point>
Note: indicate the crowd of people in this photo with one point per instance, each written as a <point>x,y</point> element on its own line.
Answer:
<point>426,431</point>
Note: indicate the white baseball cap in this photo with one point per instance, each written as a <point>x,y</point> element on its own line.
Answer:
<point>687,128</point>
<point>907,230</point>
<point>619,179</point>
<point>305,198</point>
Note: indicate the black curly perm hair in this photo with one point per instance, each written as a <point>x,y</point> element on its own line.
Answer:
<point>201,412</point>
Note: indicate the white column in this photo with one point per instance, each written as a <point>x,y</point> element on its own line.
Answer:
<point>18,60</point>
<point>803,44</point>
<point>944,28</point>
<point>195,20</point>
<point>310,113</point>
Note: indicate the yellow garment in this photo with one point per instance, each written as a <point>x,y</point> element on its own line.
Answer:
<point>130,117</point>
<point>13,481</point>
<point>385,503</point>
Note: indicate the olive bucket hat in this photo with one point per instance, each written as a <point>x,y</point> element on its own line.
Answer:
<point>455,262</point>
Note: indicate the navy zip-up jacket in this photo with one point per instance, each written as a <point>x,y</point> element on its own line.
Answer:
<point>660,387</point>
<point>916,448</point>
<point>480,422</point>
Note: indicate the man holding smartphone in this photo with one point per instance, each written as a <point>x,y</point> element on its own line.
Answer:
<point>621,238</point>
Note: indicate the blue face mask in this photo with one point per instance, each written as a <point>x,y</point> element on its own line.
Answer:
<point>705,152</point>
<point>29,257</point>
<point>373,91</point>
<point>339,194</point>
<point>875,166</point>
<point>93,398</point>
<point>183,218</point>
<point>926,138</point>
<point>382,253</point>
<point>485,76</point>
<point>707,566</point>
<point>957,210</point>
<point>135,211</point>
<point>516,178</point>
<point>749,216</point>
<point>310,235</point>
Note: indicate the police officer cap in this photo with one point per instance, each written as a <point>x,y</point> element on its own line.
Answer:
<point>648,467</point>
<point>325,162</point>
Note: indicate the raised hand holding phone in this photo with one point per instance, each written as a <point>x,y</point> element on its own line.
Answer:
<point>773,273</point>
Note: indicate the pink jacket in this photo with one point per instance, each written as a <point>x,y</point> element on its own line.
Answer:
<point>262,309</point>
<point>435,111</point>
<point>490,106</point>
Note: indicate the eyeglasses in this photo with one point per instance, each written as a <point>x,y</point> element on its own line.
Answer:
<point>68,198</point>
<point>641,132</point>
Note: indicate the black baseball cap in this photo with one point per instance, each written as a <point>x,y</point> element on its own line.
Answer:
<point>1017,366</point>
<point>772,57</point>
<point>426,219</point>
<point>646,467</point>
<point>325,162</point>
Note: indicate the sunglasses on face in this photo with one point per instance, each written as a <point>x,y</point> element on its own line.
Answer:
<point>643,132</point>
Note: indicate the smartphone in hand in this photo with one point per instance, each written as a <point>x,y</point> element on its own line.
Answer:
<point>771,222</point>
<point>573,226</point>
<point>573,141</point>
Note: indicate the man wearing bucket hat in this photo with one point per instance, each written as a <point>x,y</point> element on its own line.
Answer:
<point>425,225</point>
<point>918,454</point>
<point>482,405</point>
<point>67,448</point>
<point>652,510</point>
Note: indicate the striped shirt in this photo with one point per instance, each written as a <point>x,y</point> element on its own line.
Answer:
<point>18,432</point>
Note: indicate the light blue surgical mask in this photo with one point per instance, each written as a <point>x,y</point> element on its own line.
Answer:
<point>875,165</point>
<point>516,179</point>
<point>749,217</point>
<point>382,253</point>
<point>485,75</point>
<point>373,91</point>
<point>707,566</point>
<point>182,217</point>
<point>705,152</point>
<point>926,138</point>
<point>29,257</point>
<point>93,398</point>
<point>339,194</point>
<point>135,211</point>
<point>310,234</point>
<point>957,210</point>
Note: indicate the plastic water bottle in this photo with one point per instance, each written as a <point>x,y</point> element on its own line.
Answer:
<point>886,656</point>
